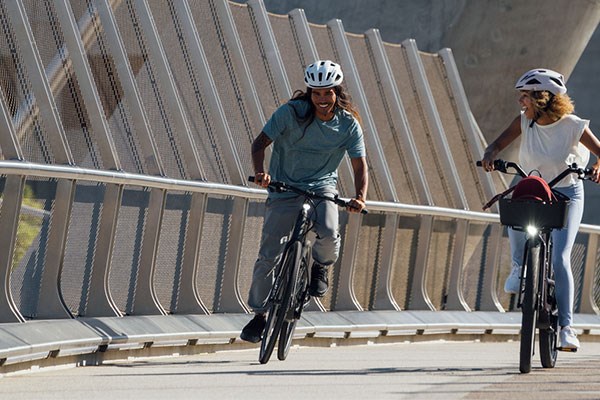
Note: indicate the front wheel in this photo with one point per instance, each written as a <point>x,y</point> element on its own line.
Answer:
<point>529,308</point>
<point>298,289</point>
<point>280,301</point>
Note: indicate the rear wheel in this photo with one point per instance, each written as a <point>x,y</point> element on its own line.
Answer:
<point>279,304</point>
<point>529,308</point>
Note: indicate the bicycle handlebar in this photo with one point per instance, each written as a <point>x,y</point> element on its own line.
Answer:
<point>284,187</point>
<point>502,166</point>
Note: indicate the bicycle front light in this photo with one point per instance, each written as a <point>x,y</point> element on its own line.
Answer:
<point>531,230</point>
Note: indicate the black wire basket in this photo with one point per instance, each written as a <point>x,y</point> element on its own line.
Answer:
<point>520,213</point>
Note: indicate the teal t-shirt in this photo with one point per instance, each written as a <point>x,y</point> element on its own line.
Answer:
<point>308,156</point>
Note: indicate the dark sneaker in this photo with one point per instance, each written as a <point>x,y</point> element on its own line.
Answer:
<point>253,331</point>
<point>319,281</point>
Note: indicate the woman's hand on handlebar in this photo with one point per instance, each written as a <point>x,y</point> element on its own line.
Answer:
<point>262,179</point>
<point>356,205</point>
<point>596,172</point>
<point>487,162</point>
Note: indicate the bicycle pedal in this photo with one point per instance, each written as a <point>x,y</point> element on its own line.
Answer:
<point>567,349</point>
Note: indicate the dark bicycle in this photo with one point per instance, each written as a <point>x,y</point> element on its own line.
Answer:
<point>536,296</point>
<point>289,293</point>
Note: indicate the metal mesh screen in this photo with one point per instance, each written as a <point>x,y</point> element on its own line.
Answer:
<point>252,238</point>
<point>255,53</point>
<point>365,278</point>
<point>404,258</point>
<point>193,93</point>
<point>109,88</point>
<point>577,266</point>
<point>417,122</point>
<point>289,49</point>
<point>596,280</point>
<point>455,133</point>
<point>439,260</point>
<point>16,88</point>
<point>167,274</point>
<point>125,263</point>
<point>227,79</point>
<point>213,248</point>
<point>386,131</point>
<point>65,87</point>
<point>81,246</point>
<point>329,300</point>
<point>154,100</point>
<point>30,248</point>
<point>474,259</point>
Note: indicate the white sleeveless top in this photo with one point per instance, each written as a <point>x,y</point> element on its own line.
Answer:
<point>550,148</point>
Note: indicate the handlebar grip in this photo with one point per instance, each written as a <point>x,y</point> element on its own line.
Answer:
<point>479,163</point>
<point>250,179</point>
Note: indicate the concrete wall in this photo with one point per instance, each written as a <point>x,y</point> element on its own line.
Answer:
<point>493,43</point>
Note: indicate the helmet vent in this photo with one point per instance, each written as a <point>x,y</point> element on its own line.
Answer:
<point>557,81</point>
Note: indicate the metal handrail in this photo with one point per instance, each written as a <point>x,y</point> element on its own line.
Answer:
<point>161,182</point>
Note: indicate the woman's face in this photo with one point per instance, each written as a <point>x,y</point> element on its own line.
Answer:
<point>324,102</point>
<point>526,103</point>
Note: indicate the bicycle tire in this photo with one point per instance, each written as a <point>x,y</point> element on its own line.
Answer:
<point>549,335</point>
<point>280,303</point>
<point>298,295</point>
<point>529,308</point>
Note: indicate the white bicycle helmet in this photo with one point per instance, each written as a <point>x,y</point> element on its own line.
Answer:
<point>323,74</point>
<point>542,79</point>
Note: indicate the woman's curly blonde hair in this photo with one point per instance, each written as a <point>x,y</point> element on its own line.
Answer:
<point>555,106</point>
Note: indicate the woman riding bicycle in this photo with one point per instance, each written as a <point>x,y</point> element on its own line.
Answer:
<point>552,137</point>
<point>310,135</point>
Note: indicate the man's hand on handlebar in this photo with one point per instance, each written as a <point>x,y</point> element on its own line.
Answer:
<point>262,179</point>
<point>356,205</point>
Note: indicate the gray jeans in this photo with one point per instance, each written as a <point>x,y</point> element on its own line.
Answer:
<point>280,216</point>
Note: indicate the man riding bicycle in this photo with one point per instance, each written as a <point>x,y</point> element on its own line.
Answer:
<point>310,134</point>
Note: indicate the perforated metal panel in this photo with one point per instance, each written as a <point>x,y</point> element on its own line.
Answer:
<point>208,139</point>
<point>455,133</point>
<point>227,78</point>
<point>16,88</point>
<point>30,248</point>
<point>290,49</point>
<point>108,83</point>
<point>213,249</point>
<point>81,246</point>
<point>256,57</point>
<point>418,123</point>
<point>65,86</point>
<point>159,116</point>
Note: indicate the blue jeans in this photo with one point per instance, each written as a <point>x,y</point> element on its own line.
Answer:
<point>563,240</point>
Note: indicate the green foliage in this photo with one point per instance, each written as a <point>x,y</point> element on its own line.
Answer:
<point>29,226</point>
